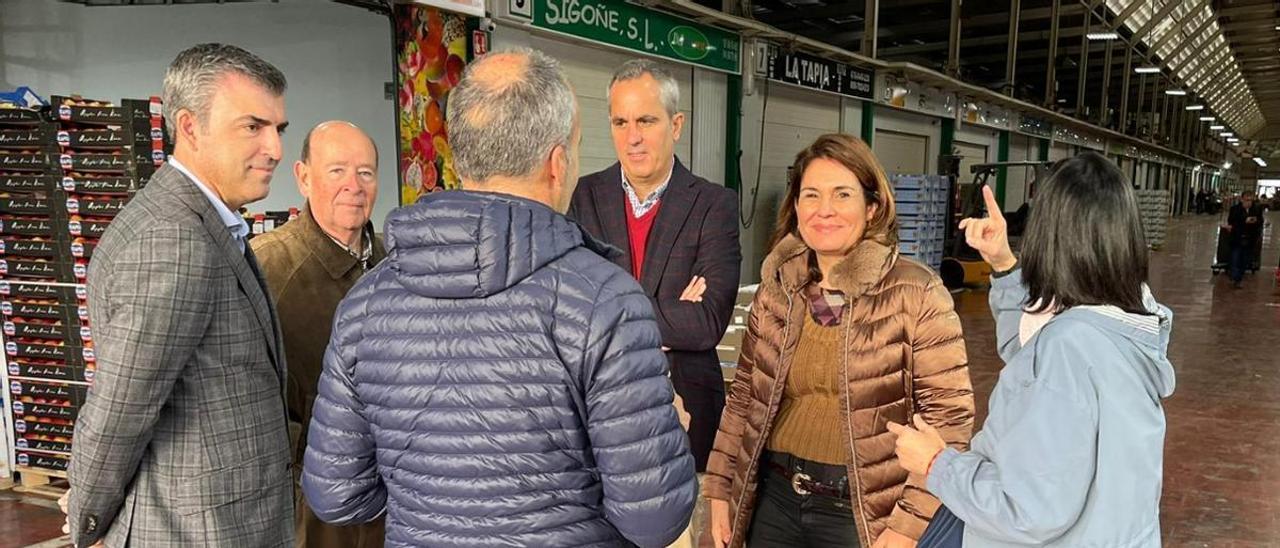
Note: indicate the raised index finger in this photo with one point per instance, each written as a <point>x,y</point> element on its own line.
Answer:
<point>993,207</point>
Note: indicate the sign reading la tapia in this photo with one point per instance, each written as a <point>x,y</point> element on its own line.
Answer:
<point>618,23</point>
<point>812,72</point>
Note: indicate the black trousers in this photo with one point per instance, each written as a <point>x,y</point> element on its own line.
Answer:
<point>785,519</point>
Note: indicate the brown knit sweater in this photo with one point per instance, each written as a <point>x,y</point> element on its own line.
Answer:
<point>808,424</point>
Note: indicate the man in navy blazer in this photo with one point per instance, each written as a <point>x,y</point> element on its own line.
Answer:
<point>678,234</point>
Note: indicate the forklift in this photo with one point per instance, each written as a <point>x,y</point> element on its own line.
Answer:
<point>963,266</point>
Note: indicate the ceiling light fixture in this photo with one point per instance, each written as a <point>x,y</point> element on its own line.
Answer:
<point>1103,35</point>
<point>1217,127</point>
<point>1206,118</point>
<point>1195,107</point>
<point>1177,92</point>
<point>1147,70</point>
<point>1259,161</point>
<point>1228,134</point>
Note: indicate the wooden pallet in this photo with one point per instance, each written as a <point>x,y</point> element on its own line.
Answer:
<point>38,481</point>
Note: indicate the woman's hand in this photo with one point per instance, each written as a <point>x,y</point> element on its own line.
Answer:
<point>893,539</point>
<point>990,236</point>
<point>721,529</point>
<point>917,446</point>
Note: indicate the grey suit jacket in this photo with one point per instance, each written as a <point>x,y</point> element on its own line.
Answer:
<point>183,439</point>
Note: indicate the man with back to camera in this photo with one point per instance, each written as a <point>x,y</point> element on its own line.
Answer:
<point>678,234</point>
<point>183,439</point>
<point>310,263</point>
<point>496,381</point>
<point>1245,219</point>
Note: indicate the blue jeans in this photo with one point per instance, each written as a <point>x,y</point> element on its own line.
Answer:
<point>945,531</point>
<point>1241,256</point>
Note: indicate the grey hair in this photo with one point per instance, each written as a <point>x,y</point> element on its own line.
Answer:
<point>507,127</point>
<point>668,87</point>
<point>189,81</point>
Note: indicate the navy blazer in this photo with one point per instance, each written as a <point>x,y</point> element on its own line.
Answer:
<point>695,233</point>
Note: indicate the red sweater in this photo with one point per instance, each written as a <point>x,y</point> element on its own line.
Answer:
<point>638,233</point>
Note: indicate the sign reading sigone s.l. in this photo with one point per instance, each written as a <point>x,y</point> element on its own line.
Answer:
<point>618,23</point>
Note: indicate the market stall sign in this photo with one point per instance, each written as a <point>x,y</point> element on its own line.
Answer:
<point>466,7</point>
<point>811,72</point>
<point>623,25</point>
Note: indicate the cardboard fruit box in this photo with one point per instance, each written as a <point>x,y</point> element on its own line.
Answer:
<point>29,204</point>
<point>31,160</point>
<point>48,392</point>
<point>45,349</point>
<point>58,331</point>
<point>109,138</point>
<point>88,227</point>
<point>27,137</point>
<point>89,205</point>
<point>17,116</point>
<point>79,110</point>
<point>85,183</point>
<point>43,429</point>
<point>29,225</point>
<point>36,269</point>
<point>41,248</point>
<point>119,161</point>
<point>41,442</point>
<point>15,290</point>
<point>45,309</point>
<point>60,410</point>
<point>55,371</point>
<point>43,461</point>
<point>18,182</point>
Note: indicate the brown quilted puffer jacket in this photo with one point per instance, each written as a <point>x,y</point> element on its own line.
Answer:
<point>905,353</point>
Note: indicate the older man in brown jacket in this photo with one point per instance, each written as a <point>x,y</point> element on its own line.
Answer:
<point>310,263</point>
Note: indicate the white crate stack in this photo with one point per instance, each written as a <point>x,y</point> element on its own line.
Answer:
<point>1154,206</point>
<point>922,216</point>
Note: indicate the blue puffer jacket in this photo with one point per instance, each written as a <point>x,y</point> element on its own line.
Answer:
<point>497,382</point>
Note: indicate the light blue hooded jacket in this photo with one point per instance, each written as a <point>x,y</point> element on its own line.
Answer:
<point>1072,451</point>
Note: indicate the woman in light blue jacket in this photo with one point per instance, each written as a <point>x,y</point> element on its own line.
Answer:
<point>1072,450</point>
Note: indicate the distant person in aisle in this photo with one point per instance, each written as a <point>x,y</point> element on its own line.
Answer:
<point>678,234</point>
<point>310,264</point>
<point>844,336</point>
<point>1072,449</point>
<point>1245,220</point>
<point>496,380</point>
<point>183,439</point>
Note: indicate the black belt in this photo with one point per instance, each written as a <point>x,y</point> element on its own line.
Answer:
<point>808,477</point>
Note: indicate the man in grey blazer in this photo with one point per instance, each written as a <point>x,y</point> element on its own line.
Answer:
<point>183,438</point>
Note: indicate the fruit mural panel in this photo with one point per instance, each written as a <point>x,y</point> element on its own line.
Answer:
<point>431,52</point>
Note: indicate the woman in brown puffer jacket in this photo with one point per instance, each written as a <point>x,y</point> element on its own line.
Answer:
<point>844,336</point>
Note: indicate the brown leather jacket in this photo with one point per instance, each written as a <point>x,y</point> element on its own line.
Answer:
<point>904,352</point>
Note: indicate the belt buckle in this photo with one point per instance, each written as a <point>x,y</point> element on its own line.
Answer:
<point>795,483</point>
